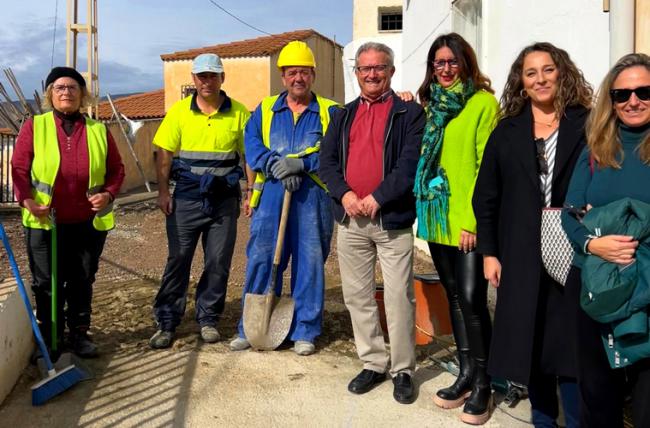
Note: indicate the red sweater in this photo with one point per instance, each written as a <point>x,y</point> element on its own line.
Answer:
<point>69,197</point>
<point>364,170</point>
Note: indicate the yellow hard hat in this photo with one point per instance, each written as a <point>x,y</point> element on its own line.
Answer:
<point>296,54</point>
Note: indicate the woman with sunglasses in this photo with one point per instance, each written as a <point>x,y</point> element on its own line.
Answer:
<point>66,163</point>
<point>526,166</point>
<point>461,112</point>
<point>615,165</point>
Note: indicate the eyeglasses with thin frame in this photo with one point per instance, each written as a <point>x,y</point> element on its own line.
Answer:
<point>542,161</point>
<point>622,95</point>
<point>60,89</point>
<point>439,64</point>
<point>365,70</point>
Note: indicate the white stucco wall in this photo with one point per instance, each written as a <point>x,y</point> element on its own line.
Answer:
<point>423,22</point>
<point>578,26</point>
<point>393,40</point>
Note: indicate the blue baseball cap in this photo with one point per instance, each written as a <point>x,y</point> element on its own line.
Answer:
<point>207,63</point>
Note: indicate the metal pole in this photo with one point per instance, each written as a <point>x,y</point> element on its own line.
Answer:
<point>129,142</point>
<point>19,93</point>
<point>10,103</point>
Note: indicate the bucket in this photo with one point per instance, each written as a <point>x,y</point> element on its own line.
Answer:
<point>431,309</point>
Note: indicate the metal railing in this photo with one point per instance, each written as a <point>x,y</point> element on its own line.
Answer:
<point>7,143</point>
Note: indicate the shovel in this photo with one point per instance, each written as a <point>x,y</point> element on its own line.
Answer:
<point>267,318</point>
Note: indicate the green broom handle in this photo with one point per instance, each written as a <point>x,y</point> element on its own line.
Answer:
<point>54,268</point>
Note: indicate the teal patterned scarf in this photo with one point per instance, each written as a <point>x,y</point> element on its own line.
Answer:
<point>431,187</point>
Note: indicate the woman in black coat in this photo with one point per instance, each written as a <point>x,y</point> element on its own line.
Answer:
<point>527,165</point>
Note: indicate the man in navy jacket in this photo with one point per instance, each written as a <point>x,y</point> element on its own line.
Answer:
<point>368,161</point>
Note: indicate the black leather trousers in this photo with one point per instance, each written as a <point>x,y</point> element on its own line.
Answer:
<point>462,276</point>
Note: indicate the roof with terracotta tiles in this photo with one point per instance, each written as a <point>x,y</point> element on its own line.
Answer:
<point>148,105</point>
<point>261,46</point>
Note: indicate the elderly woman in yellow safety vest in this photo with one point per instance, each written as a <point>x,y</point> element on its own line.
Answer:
<point>282,142</point>
<point>66,171</point>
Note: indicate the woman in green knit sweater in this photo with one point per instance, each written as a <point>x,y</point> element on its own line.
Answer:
<point>461,113</point>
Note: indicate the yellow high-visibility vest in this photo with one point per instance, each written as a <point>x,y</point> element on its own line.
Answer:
<point>267,117</point>
<point>46,162</point>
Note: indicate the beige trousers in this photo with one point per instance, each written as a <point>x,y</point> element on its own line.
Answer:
<point>359,244</point>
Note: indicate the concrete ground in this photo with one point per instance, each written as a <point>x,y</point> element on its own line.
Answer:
<point>202,387</point>
<point>197,385</point>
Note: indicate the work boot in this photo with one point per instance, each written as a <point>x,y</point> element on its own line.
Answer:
<point>303,347</point>
<point>478,406</point>
<point>239,344</point>
<point>82,345</point>
<point>162,339</point>
<point>455,395</point>
<point>210,334</point>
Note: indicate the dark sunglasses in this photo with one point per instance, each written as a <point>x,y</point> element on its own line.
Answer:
<point>622,95</point>
<point>542,162</point>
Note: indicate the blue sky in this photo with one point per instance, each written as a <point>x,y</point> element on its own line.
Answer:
<point>134,33</point>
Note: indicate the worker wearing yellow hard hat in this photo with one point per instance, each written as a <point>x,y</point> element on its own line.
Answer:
<point>282,144</point>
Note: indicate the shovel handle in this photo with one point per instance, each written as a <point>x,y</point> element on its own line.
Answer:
<point>286,203</point>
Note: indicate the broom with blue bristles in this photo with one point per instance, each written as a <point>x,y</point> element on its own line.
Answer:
<point>56,381</point>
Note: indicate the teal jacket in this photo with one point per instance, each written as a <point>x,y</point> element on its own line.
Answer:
<point>618,296</point>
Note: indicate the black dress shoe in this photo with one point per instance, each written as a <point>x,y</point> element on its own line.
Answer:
<point>404,391</point>
<point>365,381</point>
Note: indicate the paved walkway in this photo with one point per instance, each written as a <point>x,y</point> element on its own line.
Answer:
<point>209,387</point>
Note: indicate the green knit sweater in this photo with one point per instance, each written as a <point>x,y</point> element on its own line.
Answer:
<point>462,151</point>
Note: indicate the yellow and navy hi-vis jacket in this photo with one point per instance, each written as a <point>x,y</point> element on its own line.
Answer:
<point>46,162</point>
<point>274,131</point>
<point>207,143</point>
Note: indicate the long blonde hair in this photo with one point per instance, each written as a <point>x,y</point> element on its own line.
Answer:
<point>602,125</point>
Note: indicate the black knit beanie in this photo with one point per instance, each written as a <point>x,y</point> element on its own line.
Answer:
<point>58,72</point>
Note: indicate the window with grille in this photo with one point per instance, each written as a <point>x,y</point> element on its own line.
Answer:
<point>390,19</point>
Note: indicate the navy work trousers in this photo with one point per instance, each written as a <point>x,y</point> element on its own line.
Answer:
<point>185,225</point>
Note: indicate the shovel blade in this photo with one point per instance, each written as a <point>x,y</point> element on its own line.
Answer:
<point>267,320</point>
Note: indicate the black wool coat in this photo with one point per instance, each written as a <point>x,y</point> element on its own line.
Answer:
<point>534,323</point>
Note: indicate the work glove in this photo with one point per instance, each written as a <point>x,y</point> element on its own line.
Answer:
<point>291,183</point>
<point>287,166</point>
<point>272,160</point>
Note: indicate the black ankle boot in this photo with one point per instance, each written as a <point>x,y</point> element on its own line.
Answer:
<point>456,394</point>
<point>478,406</point>
<point>82,345</point>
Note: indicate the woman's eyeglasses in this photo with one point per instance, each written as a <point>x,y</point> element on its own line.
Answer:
<point>60,89</point>
<point>622,95</point>
<point>542,161</point>
<point>439,64</point>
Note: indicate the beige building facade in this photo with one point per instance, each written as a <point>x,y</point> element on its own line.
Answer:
<point>374,17</point>
<point>251,73</point>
